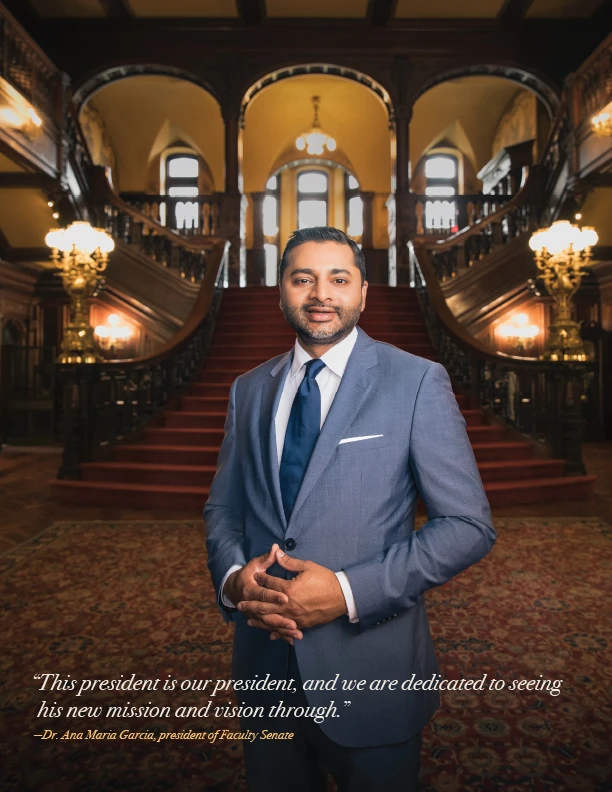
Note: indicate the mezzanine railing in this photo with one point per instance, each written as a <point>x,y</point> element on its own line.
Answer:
<point>198,215</point>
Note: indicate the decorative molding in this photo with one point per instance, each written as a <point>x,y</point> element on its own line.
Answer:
<point>316,68</point>
<point>86,89</point>
<point>542,88</point>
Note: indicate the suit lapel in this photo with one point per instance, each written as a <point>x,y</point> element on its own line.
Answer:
<point>345,406</point>
<point>270,397</point>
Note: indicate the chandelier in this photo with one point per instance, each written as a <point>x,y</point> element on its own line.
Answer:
<point>84,258</point>
<point>315,141</point>
<point>561,252</point>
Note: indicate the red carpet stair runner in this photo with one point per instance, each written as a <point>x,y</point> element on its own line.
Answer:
<point>172,464</point>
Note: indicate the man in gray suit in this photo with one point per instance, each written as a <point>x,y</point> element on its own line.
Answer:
<point>326,451</point>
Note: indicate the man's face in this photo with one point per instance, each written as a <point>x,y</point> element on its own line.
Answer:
<point>321,295</point>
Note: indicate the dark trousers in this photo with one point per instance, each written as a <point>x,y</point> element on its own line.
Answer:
<point>303,763</point>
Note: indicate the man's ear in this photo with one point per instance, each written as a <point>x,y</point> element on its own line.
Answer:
<point>364,291</point>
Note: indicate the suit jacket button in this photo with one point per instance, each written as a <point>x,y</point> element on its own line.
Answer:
<point>290,544</point>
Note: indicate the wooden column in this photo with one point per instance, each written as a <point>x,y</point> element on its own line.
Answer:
<point>405,205</point>
<point>367,237</point>
<point>233,203</point>
<point>256,257</point>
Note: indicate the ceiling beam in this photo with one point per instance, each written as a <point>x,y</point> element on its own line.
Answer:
<point>117,9</point>
<point>251,12</point>
<point>381,12</point>
<point>513,11</point>
<point>26,180</point>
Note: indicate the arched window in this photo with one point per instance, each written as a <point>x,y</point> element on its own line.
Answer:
<point>442,182</point>
<point>271,222</point>
<point>353,206</point>
<point>312,198</point>
<point>182,172</point>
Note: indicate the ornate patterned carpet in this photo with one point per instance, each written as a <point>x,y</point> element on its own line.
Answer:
<point>101,599</point>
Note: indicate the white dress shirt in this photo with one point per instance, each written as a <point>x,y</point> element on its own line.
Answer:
<point>328,380</point>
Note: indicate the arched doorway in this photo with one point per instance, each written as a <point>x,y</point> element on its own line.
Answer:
<point>356,112</point>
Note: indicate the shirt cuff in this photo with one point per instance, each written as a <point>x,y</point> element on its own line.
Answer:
<point>348,596</point>
<point>224,599</point>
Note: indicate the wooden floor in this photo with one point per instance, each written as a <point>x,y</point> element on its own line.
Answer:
<point>26,507</point>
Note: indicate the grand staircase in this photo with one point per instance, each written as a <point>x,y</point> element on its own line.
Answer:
<point>172,464</point>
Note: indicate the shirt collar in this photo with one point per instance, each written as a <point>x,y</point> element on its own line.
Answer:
<point>335,358</point>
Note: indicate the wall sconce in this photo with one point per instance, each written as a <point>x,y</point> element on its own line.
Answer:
<point>113,336</point>
<point>602,124</point>
<point>32,124</point>
<point>24,119</point>
<point>519,332</point>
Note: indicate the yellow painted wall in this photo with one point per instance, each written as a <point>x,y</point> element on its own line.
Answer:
<point>349,112</point>
<point>25,217</point>
<point>144,115</point>
<point>464,112</point>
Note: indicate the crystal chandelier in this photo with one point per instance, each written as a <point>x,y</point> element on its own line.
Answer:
<point>316,140</point>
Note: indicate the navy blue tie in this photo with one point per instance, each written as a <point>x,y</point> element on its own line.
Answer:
<point>302,432</point>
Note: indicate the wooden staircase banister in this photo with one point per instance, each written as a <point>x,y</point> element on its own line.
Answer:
<point>526,191</point>
<point>543,400</point>
<point>104,194</point>
<point>104,403</point>
<point>218,251</point>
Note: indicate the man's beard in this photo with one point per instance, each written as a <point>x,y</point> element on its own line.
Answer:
<point>320,336</point>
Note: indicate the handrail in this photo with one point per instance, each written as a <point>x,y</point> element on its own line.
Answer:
<point>204,222</point>
<point>498,215</point>
<point>463,249</point>
<point>102,189</point>
<point>173,251</point>
<point>104,403</point>
<point>173,346</point>
<point>544,400</point>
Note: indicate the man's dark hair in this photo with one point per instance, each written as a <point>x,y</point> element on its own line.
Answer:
<point>321,234</point>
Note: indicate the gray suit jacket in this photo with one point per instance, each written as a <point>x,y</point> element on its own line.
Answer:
<point>355,511</point>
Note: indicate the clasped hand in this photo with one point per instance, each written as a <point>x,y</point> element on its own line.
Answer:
<point>286,607</point>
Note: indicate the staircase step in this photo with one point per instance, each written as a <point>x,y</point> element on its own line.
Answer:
<point>542,490</point>
<point>520,469</point>
<point>487,433</point>
<point>167,454</point>
<point>150,473</point>
<point>181,436</point>
<point>501,451</point>
<point>204,403</point>
<point>130,496</point>
<point>473,417</point>
<point>183,419</point>
<point>220,376</point>
<point>210,388</point>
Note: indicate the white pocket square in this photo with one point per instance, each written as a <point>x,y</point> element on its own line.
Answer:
<point>354,439</point>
